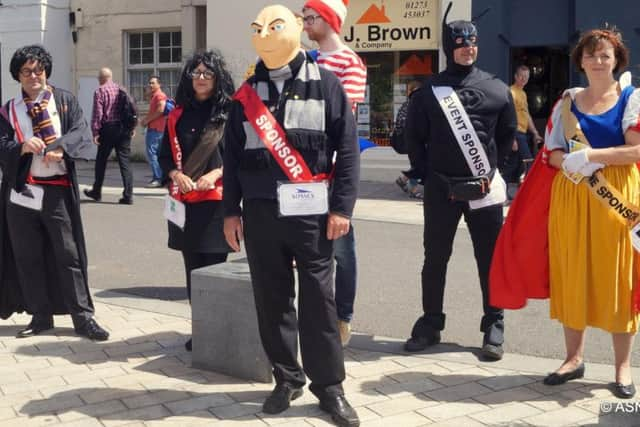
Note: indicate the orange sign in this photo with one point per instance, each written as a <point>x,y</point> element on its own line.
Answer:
<point>384,25</point>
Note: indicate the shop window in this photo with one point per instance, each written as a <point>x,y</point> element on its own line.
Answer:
<point>387,76</point>
<point>151,53</point>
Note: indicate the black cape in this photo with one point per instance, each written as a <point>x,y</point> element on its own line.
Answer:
<point>15,169</point>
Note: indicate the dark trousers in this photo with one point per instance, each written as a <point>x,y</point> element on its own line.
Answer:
<point>112,137</point>
<point>441,218</point>
<point>516,161</point>
<point>346,274</point>
<point>194,260</point>
<point>47,256</point>
<point>272,243</point>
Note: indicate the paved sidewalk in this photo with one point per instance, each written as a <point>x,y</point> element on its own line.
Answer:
<point>143,377</point>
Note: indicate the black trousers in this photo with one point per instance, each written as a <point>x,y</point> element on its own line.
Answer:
<point>441,218</point>
<point>47,256</point>
<point>272,243</point>
<point>194,260</point>
<point>111,137</point>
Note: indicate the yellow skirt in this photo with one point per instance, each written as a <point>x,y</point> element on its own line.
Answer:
<point>593,266</point>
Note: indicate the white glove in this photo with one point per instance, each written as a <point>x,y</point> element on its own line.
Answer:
<point>590,168</point>
<point>575,161</point>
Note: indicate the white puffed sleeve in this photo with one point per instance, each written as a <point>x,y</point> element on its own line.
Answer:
<point>631,114</point>
<point>554,132</point>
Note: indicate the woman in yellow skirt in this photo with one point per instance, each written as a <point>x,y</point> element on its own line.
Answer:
<point>592,263</point>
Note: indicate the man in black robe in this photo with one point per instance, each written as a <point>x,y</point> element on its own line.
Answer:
<point>43,259</point>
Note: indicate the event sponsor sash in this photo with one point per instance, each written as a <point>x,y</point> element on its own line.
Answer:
<point>618,206</point>
<point>193,196</point>
<point>470,145</point>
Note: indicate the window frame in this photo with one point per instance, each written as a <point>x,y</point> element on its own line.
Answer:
<point>156,67</point>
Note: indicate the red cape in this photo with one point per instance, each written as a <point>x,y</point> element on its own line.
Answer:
<point>520,264</point>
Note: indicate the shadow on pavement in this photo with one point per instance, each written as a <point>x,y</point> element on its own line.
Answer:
<point>166,293</point>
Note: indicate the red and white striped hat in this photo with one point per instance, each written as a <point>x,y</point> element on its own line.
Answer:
<point>333,12</point>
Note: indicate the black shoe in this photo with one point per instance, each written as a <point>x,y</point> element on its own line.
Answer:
<point>557,379</point>
<point>624,391</point>
<point>280,397</point>
<point>92,195</point>
<point>421,343</point>
<point>187,345</point>
<point>341,412</point>
<point>126,201</point>
<point>93,331</point>
<point>36,326</point>
<point>492,351</point>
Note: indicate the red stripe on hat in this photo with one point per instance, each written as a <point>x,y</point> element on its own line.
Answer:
<point>327,13</point>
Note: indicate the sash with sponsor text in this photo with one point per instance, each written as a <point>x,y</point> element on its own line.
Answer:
<point>305,194</point>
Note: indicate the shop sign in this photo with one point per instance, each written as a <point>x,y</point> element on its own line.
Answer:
<point>387,25</point>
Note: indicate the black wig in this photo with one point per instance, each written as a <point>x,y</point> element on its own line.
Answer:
<point>223,89</point>
<point>34,52</point>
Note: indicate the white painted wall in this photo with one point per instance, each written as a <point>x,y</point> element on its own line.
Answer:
<point>46,22</point>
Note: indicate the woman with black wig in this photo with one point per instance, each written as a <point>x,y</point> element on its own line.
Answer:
<point>191,156</point>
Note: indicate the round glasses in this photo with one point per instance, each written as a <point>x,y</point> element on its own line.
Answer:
<point>26,72</point>
<point>311,19</point>
<point>206,74</point>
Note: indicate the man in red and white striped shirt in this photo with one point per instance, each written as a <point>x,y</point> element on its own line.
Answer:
<point>323,20</point>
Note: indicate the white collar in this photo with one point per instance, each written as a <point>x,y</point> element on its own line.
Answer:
<point>19,100</point>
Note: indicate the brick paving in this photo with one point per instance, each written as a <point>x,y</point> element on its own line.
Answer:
<point>142,376</point>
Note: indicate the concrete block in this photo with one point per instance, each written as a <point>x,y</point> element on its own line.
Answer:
<point>225,323</point>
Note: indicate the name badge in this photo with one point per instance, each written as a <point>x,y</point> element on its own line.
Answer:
<point>174,211</point>
<point>30,197</point>
<point>303,198</point>
<point>635,237</point>
<point>575,177</point>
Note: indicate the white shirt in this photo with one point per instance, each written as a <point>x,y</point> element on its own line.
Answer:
<point>38,167</point>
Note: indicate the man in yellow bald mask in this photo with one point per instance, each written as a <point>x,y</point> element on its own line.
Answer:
<point>285,125</point>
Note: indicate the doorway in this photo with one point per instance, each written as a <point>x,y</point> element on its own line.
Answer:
<point>549,77</point>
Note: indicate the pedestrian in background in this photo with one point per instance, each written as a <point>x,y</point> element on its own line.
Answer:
<point>410,179</point>
<point>110,133</point>
<point>43,256</point>
<point>519,158</point>
<point>154,121</point>
<point>323,21</point>
<point>191,156</point>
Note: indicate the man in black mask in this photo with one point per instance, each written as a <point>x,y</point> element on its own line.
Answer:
<point>458,126</point>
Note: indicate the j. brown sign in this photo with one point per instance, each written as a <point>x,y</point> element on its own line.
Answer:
<point>379,25</point>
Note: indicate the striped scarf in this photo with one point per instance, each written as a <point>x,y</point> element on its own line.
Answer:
<point>42,125</point>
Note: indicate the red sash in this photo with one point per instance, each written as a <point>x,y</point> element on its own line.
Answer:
<point>62,181</point>
<point>274,138</point>
<point>193,196</point>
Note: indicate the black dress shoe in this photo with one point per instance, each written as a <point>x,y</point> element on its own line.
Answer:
<point>126,201</point>
<point>92,195</point>
<point>624,391</point>
<point>280,398</point>
<point>35,327</point>
<point>341,412</point>
<point>93,331</point>
<point>557,379</point>
<point>188,345</point>
<point>492,351</point>
<point>421,343</point>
